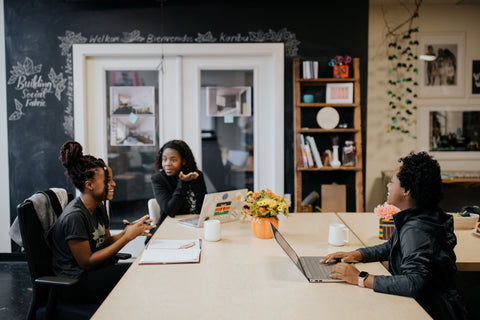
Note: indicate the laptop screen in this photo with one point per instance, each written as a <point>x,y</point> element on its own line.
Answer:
<point>286,247</point>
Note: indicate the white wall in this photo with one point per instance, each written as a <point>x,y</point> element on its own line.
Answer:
<point>4,190</point>
<point>384,149</point>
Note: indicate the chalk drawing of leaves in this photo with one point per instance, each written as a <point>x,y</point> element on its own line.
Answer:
<point>26,69</point>
<point>17,114</point>
<point>69,39</point>
<point>58,82</point>
<point>133,36</point>
<point>206,37</point>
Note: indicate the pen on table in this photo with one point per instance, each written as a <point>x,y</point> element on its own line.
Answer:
<point>129,223</point>
<point>187,245</point>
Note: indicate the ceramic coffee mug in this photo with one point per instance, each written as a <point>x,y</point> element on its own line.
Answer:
<point>338,234</point>
<point>212,230</point>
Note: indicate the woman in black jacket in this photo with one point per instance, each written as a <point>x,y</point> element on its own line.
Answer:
<point>178,186</point>
<point>420,252</point>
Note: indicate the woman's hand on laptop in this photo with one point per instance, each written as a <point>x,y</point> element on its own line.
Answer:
<point>352,256</point>
<point>345,271</point>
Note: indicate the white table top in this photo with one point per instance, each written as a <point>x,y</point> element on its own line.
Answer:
<point>242,277</point>
<point>365,226</point>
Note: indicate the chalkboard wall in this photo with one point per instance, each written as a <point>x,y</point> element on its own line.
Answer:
<point>39,35</point>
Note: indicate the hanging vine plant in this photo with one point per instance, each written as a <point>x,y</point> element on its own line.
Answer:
<point>402,83</point>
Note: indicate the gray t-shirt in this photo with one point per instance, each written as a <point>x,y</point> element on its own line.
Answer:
<point>76,222</point>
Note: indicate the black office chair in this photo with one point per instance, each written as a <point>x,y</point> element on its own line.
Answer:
<point>45,304</point>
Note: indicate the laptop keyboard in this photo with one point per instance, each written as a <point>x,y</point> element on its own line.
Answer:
<point>315,268</point>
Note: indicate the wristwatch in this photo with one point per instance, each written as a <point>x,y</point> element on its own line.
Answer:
<point>362,276</point>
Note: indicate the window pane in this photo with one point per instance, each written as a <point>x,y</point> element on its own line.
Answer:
<point>227,129</point>
<point>132,124</point>
<point>454,131</point>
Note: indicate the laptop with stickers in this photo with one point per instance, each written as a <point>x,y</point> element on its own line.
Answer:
<point>224,206</point>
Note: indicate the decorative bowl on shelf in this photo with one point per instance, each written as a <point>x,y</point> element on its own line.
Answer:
<point>465,222</point>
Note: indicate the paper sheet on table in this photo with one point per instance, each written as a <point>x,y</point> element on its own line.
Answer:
<point>166,251</point>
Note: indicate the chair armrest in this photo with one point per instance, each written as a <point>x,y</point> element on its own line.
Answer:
<point>123,256</point>
<point>56,281</point>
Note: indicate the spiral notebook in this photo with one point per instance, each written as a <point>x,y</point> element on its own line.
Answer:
<point>166,251</point>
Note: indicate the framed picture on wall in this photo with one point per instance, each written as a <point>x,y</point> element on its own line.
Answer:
<point>339,93</point>
<point>473,74</point>
<point>441,65</point>
<point>229,101</point>
<point>450,131</point>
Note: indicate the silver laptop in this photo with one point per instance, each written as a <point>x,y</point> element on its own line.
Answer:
<point>311,267</point>
<point>224,206</point>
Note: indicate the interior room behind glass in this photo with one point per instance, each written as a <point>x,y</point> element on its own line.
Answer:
<point>454,130</point>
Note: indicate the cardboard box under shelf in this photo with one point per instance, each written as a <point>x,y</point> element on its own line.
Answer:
<point>334,198</point>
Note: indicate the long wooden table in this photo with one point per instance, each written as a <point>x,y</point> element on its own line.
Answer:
<point>242,277</point>
<point>365,227</point>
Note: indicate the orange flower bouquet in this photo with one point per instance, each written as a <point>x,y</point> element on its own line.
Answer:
<point>386,225</point>
<point>386,211</point>
<point>263,203</point>
<point>264,207</point>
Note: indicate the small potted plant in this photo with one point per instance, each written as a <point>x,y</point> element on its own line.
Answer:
<point>264,206</point>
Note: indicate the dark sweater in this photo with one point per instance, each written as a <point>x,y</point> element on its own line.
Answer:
<point>171,194</point>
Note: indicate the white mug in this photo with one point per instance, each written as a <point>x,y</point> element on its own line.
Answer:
<point>212,230</point>
<point>338,234</point>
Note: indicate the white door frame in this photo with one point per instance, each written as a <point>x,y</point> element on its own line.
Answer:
<point>181,90</point>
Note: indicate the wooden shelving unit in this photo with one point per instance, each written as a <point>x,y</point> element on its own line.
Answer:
<point>352,132</point>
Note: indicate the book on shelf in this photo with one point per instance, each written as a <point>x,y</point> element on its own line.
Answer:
<point>315,153</point>
<point>166,251</point>
<point>303,151</point>
<point>311,164</point>
<point>310,69</point>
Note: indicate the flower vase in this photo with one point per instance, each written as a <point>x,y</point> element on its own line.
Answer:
<point>385,229</point>
<point>261,226</point>
<point>335,162</point>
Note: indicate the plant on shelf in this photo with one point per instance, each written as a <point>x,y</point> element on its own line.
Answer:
<point>402,83</point>
<point>264,206</point>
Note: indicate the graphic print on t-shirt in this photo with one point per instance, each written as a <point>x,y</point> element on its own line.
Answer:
<point>99,235</point>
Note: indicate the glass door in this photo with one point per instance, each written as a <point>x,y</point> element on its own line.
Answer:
<point>227,129</point>
<point>132,138</point>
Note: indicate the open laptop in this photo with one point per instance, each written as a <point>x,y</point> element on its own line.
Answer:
<point>224,206</point>
<point>311,267</point>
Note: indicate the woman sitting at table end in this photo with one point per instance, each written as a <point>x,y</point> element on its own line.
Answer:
<point>178,185</point>
<point>420,252</point>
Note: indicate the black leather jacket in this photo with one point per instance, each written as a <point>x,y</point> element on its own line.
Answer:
<point>422,261</point>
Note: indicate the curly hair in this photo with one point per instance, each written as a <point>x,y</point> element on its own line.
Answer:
<point>79,167</point>
<point>184,151</point>
<point>420,174</point>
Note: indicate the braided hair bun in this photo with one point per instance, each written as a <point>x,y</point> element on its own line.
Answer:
<point>70,153</point>
<point>79,167</point>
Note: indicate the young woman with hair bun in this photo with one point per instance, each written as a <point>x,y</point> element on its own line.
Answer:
<point>82,245</point>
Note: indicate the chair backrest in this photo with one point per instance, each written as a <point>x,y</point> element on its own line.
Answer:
<point>153,210</point>
<point>39,255</point>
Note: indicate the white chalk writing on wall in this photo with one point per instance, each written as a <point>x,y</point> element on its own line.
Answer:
<point>26,78</point>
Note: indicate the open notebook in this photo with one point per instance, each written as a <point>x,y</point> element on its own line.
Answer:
<point>165,251</point>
